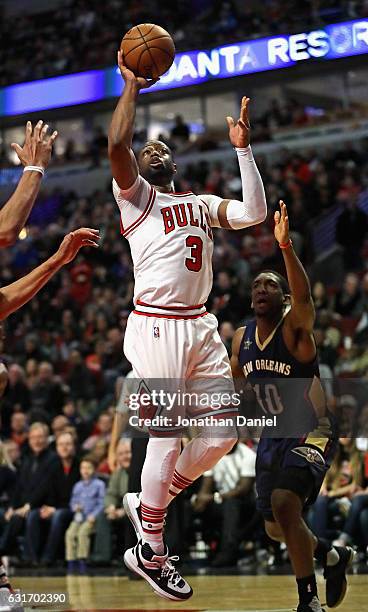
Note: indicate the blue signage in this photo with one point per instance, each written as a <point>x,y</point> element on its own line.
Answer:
<point>272,53</point>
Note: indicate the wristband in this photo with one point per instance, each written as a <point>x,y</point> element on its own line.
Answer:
<point>287,244</point>
<point>35,169</point>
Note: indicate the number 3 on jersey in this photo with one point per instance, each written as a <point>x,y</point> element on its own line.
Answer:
<point>194,262</point>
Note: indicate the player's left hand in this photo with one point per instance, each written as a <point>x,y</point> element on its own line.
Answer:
<point>239,131</point>
<point>37,147</point>
<point>282,224</point>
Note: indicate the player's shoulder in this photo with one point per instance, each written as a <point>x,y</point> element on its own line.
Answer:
<point>139,186</point>
<point>237,338</point>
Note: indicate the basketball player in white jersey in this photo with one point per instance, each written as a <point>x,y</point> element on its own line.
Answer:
<point>169,334</point>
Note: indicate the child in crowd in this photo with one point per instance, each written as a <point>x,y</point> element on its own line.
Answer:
<point>86,502</point>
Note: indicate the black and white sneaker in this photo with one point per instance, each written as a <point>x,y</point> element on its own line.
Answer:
<point>312,606</point>
<point>132,506</point>
<point>335,576</point>
<point>159,571</point>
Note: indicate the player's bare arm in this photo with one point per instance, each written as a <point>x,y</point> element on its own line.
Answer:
<point>120,423</point>
<point>236,370</point>
<point>17,294</point>
<point>36,151</point>
<point>300,319</point>
<point>233,214</point>
<point>122,159</point>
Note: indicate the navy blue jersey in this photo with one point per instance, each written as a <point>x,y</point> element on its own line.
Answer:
<point>283,386</point>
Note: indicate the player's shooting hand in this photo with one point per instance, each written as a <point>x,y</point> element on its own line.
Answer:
<point>239,131</point>
<point>37,147</point>
<point>83,237</point>
<point>130,77</point>
<point>282,224</point>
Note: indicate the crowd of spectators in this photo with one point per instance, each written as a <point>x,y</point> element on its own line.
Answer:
<point>64,353</point>
<point>59,41</point>
<point>280,116</point>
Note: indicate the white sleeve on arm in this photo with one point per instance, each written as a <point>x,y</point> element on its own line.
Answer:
<point>212,203</point>
<point>253,208</point>
<point>132,202</point>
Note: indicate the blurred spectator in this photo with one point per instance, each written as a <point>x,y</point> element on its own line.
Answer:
<point>55,514</point>
<point>180,132</point>
<point>355,528</point>
<point>79,378</point>
<point>31,486</point>
<point>226,331</point>
<point>102,431</point>
<point>13,452</point>
<point>17,393</point>
<point>7,477</point>
<point>327,354</point>
<point>98,146</point>
<point>58,425</point>
<point>226,496</point>
<point>347,299</point>
<point>320,296</point>
<point>111,517</point>
<point>99,455</point>
<point>86,503</point>
<point>47,396</point>
<point>343,479</point>
<point>19,429</point>
<point>351,230</point>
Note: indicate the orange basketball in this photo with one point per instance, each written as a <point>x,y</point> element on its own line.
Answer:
<point>148,50</point>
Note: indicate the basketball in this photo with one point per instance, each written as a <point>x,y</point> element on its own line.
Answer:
<point>148,50</point>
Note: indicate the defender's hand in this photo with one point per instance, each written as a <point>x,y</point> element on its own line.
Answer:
<point>37,147</point>
<point>282,224</point>
<point>239,131</point>
<point>75,241</point>
<point>130,77</point>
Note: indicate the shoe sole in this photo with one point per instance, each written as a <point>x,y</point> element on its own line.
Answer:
<point>345,586</point>
<point>129,504</point>
<point>131,563</point>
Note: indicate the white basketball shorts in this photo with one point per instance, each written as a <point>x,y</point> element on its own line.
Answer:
<point>185,359</point>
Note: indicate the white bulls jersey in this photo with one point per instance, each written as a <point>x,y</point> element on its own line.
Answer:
<point>171,243</point>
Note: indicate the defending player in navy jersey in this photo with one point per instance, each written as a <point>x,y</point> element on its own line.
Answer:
<point>277,354</point>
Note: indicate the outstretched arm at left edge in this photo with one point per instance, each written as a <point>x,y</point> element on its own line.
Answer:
<point>234,214</point>
<point>35,152</point>
<point>20,292</point>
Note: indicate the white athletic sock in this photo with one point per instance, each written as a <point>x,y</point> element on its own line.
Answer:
<point>157,475</point>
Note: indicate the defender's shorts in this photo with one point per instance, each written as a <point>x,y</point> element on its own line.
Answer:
<point>278,460</point>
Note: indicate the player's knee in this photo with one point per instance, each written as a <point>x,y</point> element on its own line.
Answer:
<point>274,531</point>
<point>285,506</point>
<point>221,446</point>
<point>169,459</point>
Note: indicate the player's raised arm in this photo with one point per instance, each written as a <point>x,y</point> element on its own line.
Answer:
<point>35,153</point>
<point>233,214</point>
<point>123,163</point>
<point>302,314</point>
<point>16,294</point>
